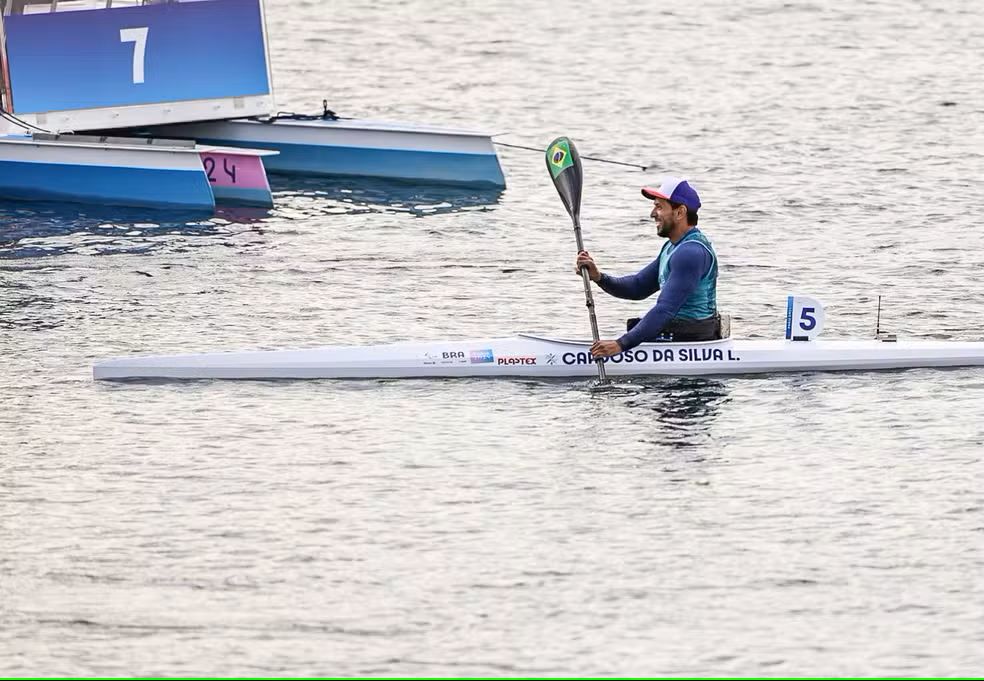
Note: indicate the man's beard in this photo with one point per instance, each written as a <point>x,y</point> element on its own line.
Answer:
<point>662,229</point>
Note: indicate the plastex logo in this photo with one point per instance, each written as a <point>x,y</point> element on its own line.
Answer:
<point>481,357</point>
<point>510,361</point>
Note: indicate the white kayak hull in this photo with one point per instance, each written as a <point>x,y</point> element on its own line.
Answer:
<point>534,356</point>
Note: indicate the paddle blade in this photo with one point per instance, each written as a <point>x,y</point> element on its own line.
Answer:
<point>564,165</point>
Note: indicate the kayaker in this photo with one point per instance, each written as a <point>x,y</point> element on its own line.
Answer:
<point>685,274</point>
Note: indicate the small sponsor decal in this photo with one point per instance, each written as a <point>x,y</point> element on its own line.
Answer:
<point>445,357</point>
<point>512,361</point>
<point>551,359</point>
<point>481,357</point>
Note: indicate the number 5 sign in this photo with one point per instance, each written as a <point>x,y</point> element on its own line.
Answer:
<point>804,318</point>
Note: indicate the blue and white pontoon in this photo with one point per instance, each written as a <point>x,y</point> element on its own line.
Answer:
<point>109,68</point>
<point>358,147</point>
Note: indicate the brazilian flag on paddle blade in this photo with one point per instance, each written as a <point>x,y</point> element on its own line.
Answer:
<point>559,156</point>
<point>564,165</point>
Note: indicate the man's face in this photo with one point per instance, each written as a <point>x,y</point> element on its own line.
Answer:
<point>663,215</point>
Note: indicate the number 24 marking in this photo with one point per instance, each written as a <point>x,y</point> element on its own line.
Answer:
<point>137,36</point>
<point>209,164</point>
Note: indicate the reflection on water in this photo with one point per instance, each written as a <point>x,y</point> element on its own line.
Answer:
<point>36,230</point>
<point>40,229</point>
<point>347,195</point>
<point>685,407</point>
<point>22,310</point>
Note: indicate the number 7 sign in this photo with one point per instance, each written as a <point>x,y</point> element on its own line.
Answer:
<point>137,36</point>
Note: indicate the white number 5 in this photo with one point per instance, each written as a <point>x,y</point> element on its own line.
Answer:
<point>137,36</point>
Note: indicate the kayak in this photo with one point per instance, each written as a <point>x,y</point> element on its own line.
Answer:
<point>535,356</point>
<point>528,355</point>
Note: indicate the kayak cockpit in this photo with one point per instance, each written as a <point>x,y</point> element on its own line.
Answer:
<point>724,327</point>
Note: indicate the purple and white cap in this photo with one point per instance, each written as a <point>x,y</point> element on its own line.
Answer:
<point>674,189</point>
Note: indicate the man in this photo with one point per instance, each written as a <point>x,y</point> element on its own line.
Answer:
<point>685,274</point>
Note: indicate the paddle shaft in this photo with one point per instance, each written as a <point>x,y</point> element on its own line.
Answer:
<point>589,298</point>
<point>564,165</point>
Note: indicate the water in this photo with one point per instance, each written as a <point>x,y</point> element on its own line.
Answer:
<point>799,524</point>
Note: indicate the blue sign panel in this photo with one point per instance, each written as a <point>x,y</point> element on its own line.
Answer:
<point>145,54</point>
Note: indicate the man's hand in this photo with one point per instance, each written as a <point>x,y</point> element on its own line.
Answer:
<point>605,348</point>
<point>584,259</point>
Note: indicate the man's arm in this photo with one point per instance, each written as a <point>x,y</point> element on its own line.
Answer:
<point>633,286</point>
<point>690,263</point>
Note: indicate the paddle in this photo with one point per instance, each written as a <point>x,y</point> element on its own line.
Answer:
<point>564,165</point>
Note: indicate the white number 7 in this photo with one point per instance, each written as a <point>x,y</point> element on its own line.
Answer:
<point>137,36</point>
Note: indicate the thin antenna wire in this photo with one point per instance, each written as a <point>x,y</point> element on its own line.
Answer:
<point>878,319</point>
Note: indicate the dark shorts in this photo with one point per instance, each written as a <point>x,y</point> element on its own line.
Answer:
<point>686,330</point>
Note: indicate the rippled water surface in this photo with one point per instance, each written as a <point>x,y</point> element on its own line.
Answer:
<point>796,524</point>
